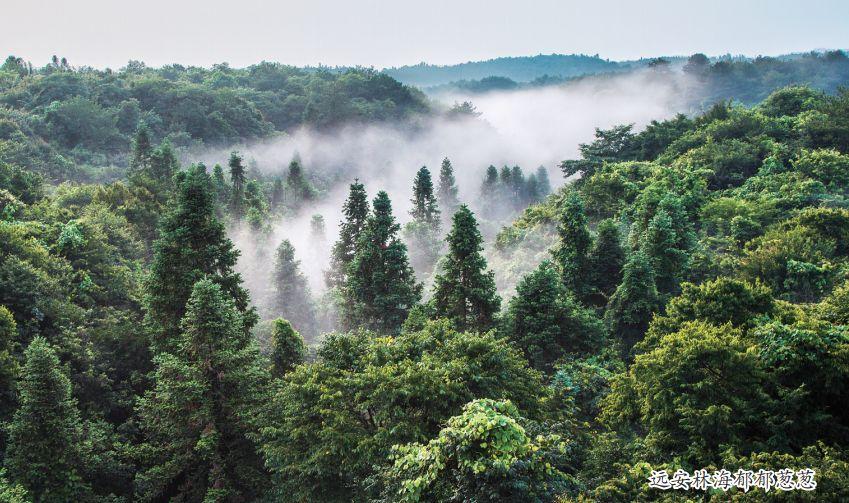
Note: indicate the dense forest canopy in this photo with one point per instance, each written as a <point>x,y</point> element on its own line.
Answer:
<point>680,302</point>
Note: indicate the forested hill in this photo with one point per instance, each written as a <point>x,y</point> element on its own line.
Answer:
<point>60,120</point>
<point>518,69</point>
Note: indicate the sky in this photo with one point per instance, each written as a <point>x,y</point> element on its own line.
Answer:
<point>383,33</point>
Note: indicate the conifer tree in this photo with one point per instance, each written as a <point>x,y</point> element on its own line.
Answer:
<point>635,300</point>
<point>355,210</point>
<point>287,348</point>
<point>543,184</point>
<point>573,246</point>
<point>606,259</point>
<point>44,435</point>
<point>237,181</point>
<point>298,185</point>
<point>203,414</point>
<point>222,190</point>
<point>446,192</point>
<point>291,296</point>
<point>277,195</point>
<point>192,245</point>
<point>425,209</point>
<point>381,287</point>
<point>142,150</point>
<point>546,322</point>
<point>489,193</point>
<point>660,244</point>
<point>464,291</point>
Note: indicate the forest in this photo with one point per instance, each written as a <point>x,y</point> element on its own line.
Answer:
<point>678,301</point>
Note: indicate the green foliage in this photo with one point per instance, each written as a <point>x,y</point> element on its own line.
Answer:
<point>381,287</point>
<point>547,323</point>
<point>42,453</point>
<point>574,245</point>
<point>287,348</point>
<point>605,260</point>
<point>633,303</point>
<point>201,419</point>
<point>446,192</point>
<point>193,244</point>
<point>484,454</point>
<point>290,296</point>
<point>355,211</point>
<point>338,418</point>
<point>464,291</point>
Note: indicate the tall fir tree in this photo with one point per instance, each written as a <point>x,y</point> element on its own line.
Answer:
<point>446,192</point>
<point>238,180</point>
<point>547,323</point>
<point>277,195</point>
<point>355,210</point>
<point>287,348</point>
<point>291,296</point>
<point>425,208</point>
<point>573,246</point>
<point>632,305</point>
<point>661,245</point>
<point>298,186</point>
<point>543,183</point>
<point>201,419</point>
<point>464,291</point>
<point>192,245</point>
<point>141,151</point>
<point>606,259</point>
<point>222,189</point>
<point>43,453</point>
<point>381,287</point>
<point>489,192</point>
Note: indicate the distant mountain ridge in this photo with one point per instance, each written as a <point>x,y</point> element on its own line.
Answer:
<point>519,69</point>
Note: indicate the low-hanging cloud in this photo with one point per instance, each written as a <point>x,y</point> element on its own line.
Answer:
<point>529,127</point>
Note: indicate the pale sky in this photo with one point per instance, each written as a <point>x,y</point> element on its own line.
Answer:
<point>380,33</point>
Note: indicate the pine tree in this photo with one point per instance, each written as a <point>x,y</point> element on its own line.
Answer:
<point>633,303</point>
<point>606,259</point>
<point>192,244</point>
<point>464,291</point>
<point>287,348</point>
<point>543,184</point>
<point>238,181</point>
<point>204,412</point>
<point>44,435</point>
<point>355,210</point>
<point>222,190</point>
<point>298,185</point>
<point>277,195</point>
<point>446,192</point>
<point>425,209</point>
<point>291,296</point>
<point>381,287</point>
<point>660,244</point>
<point>142,150</point>
<point>318,231</point>
<point>573,246</point>
<point>489,192</point>
<point>547,323</point>
<point>517,187</point>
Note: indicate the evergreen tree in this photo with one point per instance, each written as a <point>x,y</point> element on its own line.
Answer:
<point>238,181</point>
<point>447,190</point>
<point>546,322</point>
<point>203,414</point>
<point>543,184</point>
<point>633,303</point>
<point>425,209</point>
<point>464,291</point>
<point>606,259</point>
<point>381,287</point>
<point>291,293</point>
<point>518,188</point>
<point>44,435</point>
<point>660,243</point>
<point>355,210</point>
<point>277,195</point>
<point>573,246</point>
<point>318,231</point>
<point>222,190</point>
<point>287,348</point>
<point>490,194</point>
<point>192,244</point>
<point>142,150</point>
<point>298,185</point>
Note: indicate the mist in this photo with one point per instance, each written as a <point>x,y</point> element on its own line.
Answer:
<point>529,128</point>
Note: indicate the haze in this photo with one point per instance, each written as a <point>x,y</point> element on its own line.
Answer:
<point>107,33</point>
